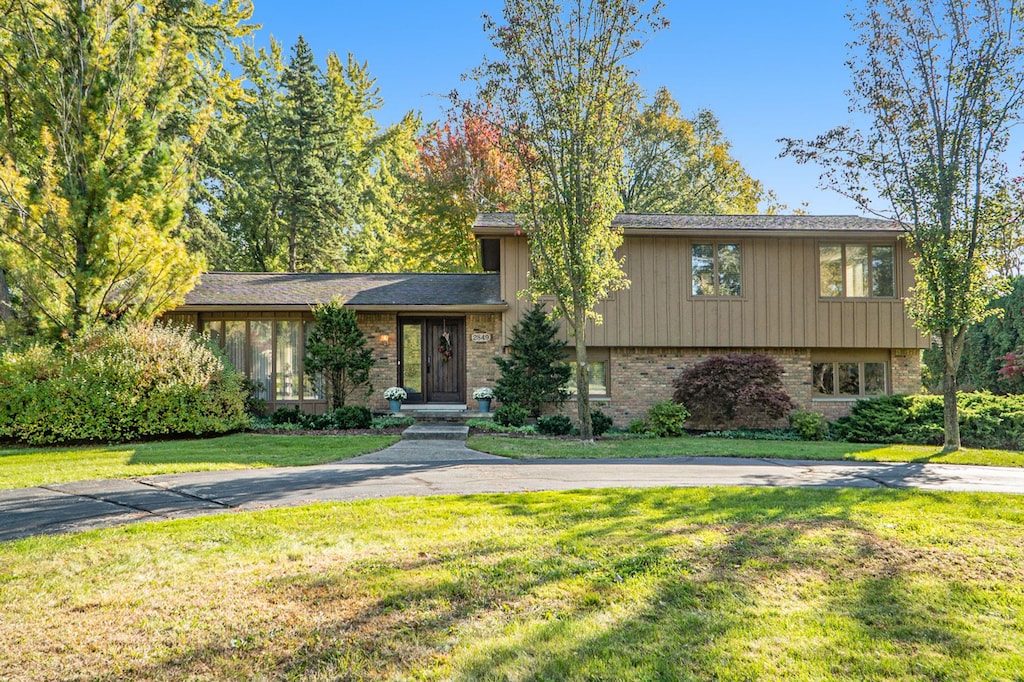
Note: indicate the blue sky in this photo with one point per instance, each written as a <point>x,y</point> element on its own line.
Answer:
<point>768,69</point>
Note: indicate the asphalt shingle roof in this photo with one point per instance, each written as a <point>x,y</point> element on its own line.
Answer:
<point>358,289</point>
<point>660,221</point>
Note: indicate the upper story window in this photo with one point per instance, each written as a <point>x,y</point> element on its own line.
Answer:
<point>716,269</point>
<point>857,270</point>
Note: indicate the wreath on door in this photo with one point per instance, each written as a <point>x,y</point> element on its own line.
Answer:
<point>444,347</point>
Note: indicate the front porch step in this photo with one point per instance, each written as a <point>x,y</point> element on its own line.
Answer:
<point>448,414</point>
<point>421,431</point>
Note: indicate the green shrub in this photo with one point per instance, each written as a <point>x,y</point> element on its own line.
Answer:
<point>752,434</point>
<point>119,384</point>
<point>534,371</point>
<point>556,425</point>
<point>287,415</point>
<point>510,414</point>
<point>600,422</point>
<point>381,423</point>
<point>667,419</point>
<point>638,426</point>
<point>352,417</point>
<point>809,425</point>
<point>986,420</point>
<point>490,425</point>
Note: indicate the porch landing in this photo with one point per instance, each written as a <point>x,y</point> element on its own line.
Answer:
<point>442,413</point>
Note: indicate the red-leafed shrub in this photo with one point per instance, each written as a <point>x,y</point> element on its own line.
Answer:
<point>728,391</point>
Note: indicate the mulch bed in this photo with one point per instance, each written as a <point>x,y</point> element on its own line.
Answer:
<point>390,431</point>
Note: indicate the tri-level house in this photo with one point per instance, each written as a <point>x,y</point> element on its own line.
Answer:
<point>824,295</point>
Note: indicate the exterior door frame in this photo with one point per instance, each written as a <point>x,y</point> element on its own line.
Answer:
<point>435,374</point>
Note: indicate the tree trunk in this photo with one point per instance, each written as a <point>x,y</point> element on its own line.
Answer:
<point>951,417</point>
<point>583,380</point>
<point>6,309</point>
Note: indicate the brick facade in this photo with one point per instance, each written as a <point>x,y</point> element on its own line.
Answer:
<point>381,331</point>
<point>641,377</point>
<point>481,370</point>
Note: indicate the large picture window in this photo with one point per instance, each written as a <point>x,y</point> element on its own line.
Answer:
<point>857,270</point>
<point>716,269</point>
<point>848,379</point>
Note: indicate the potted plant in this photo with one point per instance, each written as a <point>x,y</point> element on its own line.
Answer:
<point>484,396</point>
<point>395,395</point>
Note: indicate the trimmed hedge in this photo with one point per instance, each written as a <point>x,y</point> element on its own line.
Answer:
<point>119,384</point>
<point>986,420</point>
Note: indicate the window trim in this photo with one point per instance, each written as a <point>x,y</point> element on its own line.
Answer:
<point>715,244</point>
<point>871,271</point>
<point>594,355</point>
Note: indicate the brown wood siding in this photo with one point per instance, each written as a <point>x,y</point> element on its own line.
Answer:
<point>779,306</point>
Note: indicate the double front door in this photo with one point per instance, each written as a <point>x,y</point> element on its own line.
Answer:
<point>432,368</point>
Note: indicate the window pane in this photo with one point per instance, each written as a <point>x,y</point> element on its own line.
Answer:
<point>213,329</point>
<point>874,378</point>
<point>312,389</point>
<point>234,343</point>
<point>728,269</point>
<point>849,378</point>
<point>830,259</point>
<point>287,360</point>
<point>822,378</point>
<point>260,356</point>
<point>883,283</point>
<point>856,270</point>
<point>703,270</point>
<point>598,379</point>
<point>412,358</point>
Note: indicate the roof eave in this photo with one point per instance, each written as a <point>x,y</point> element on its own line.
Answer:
<point>301,307</point>
<point>716,231</point>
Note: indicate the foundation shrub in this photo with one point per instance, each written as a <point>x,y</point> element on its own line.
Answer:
<point>287,415</point>
<point>510,414</point>
<point>809,425</point>
<point>119,384</point>
<point>638,427</point>
<point>738,389</point>
<point>352,417</point>
<point>667,419</point>
<point>600,422</point>
<point>555,425</point>
<point>986,420</point>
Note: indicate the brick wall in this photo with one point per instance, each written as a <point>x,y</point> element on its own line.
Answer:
<point>641,377</point>
<point>481,370</point>
<point>385,371</point>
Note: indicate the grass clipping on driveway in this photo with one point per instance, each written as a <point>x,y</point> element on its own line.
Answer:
<point>21,467</point>
<point>725,584</point>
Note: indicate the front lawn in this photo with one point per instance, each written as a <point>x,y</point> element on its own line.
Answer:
<point>630,448</point>
<point>21,466</point>
<point>702,584</point>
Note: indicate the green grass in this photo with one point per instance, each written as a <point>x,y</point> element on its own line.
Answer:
<point>21,467</point>
<point>627,448</point>
<point>699,584</point>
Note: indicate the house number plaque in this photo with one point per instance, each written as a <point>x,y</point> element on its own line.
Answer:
<point>481,338</point>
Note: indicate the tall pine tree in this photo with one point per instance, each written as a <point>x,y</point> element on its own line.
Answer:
<point>337,354</point>
<point>535,372</point>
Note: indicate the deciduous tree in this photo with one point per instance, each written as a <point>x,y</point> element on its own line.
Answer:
<point>461,169</point>
<point>939,84</point>
<point>675,164</point>
<point>563,93</point>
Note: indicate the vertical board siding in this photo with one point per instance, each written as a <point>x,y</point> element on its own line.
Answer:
<point>779,306</point>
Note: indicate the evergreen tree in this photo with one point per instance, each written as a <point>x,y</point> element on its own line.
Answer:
<point>336,352</point>
<point>535,371</point>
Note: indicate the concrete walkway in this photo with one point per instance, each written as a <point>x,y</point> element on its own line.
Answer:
<point>440,467</point>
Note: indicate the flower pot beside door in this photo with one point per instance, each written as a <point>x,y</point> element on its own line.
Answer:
<point>483,397</point>
<point>395,395</point>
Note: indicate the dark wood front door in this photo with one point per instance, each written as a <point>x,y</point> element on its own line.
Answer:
<point>434,359</point>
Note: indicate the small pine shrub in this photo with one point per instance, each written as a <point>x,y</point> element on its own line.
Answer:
<point>535,370</point>
<point>738,389</point>
<point>510,414</point>
<point>809,425</point>
<point>600,422</point>
<point>667,419</point>
<point>555,425</point>
<point>352,417</point>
